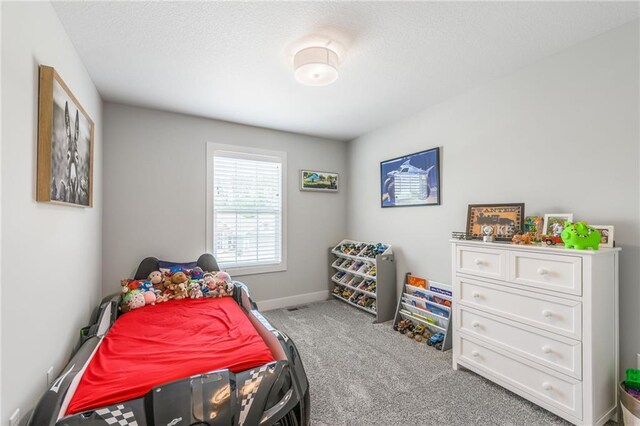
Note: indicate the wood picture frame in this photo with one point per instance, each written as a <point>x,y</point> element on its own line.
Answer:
<point>313,180</point>
<point>65,144</point>
<point>506,219</point>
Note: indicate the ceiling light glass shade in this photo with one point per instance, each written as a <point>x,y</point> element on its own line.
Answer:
<point>316,66</point>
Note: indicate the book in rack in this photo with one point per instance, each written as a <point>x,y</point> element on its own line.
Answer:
<point>364,275</point>
<point>427,304</point>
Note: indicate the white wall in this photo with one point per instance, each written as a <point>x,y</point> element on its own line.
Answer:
<point>51,255</point>
<point>1,416</point>
<point>155,194</point>
<point>560,135</point>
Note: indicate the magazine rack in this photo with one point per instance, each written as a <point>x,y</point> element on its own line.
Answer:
<point>425,303</point>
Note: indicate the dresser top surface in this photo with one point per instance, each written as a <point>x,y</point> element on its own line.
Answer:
<point>557,249</point>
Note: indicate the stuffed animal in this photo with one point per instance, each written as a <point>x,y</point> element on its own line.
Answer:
<point>164,296</point>
<point>156,279</point>
<point>136,284</point>
<point>125,286</point>
<point>178,286</point>
<point>230,288</point>
<point>222,280</point>
<point>203,288</point>
<point>222,288</point>
<point>180,291</point>
<point>145,285</point>
<point>195,291</point>
<point>176,269</point>
<point>196,273</point>
<point>132,299</point>
<point>179,277</point>
<point>223,276</point>
<point>210,282</point>
<point>131,284</point>
<point>147,290</point>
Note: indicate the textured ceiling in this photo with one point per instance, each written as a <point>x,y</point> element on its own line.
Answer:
<point>232,60</point>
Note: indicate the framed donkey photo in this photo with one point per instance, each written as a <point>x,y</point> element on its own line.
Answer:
<point>65,144</point>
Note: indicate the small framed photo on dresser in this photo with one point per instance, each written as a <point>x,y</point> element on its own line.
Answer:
<point>606,235</point>
<point>554,223</point>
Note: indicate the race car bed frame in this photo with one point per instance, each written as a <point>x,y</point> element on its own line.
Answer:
<point>278,391</point>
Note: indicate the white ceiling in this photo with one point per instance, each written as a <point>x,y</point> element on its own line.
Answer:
<point>231,60</point>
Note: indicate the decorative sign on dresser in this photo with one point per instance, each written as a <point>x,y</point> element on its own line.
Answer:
<point>541,322</point>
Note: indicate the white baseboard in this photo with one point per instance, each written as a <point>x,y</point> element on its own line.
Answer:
<point>285,302</point>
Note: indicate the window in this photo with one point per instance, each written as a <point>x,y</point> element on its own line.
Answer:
<point>246,200</point>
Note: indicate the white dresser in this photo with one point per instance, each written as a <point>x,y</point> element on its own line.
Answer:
<point>541,322</point>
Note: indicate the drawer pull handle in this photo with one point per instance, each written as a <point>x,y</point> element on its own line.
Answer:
<point>476,294</point>
<point>542,271</point>
<point>475,353</point>
<point>547,349</point>
<point>547,386</point>
<point>478,262</point>
<point>475,324</point>
<point>546,313</point>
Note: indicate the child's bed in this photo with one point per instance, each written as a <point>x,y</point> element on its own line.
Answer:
<point>204,361</point>
<point>181,338</point>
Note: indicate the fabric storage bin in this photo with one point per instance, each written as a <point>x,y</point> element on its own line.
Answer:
<point>630,407</point>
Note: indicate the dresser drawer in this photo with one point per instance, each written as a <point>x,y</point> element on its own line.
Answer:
<point>484,262</point>
<point>563,393</point>
<point>561,354</point>
<point>546,312</point>
<point>562,274</point>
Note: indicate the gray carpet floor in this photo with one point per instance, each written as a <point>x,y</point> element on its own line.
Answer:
<point>367,374</point>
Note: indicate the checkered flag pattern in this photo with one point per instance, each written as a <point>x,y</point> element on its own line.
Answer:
<point>252,384</point>
<point>118,415</point>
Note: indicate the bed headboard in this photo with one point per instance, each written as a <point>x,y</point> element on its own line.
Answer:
<point>207,262</point>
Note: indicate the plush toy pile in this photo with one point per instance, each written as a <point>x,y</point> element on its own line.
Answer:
<point>174,284</point>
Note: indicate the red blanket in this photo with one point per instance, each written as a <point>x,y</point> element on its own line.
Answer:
<point>169,341</point>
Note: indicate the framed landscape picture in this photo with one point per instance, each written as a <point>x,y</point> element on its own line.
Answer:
<point>65,144</point>
<point>311,180</point>
<point>504,219</point>
<point>411,180</point>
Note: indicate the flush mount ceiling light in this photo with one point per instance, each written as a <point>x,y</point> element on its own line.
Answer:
<point>316,66</point>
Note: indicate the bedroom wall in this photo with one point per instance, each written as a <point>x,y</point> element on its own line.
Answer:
<point>1,415</point>
<point>155,197</point>
<point>51,255</point>
<point>561,135</point>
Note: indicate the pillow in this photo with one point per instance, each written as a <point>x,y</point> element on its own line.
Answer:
<point>167,266</point>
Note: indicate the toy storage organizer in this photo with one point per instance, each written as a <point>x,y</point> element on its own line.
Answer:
<point>365,277</point>
<point>427,307</point>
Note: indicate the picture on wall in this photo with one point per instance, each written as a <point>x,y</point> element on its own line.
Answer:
<point>503,219</point>
<point>65,144</point>
<point>311,180</point>
<point>606,235</point>
<point>411,180</point>
<point>554,223</point>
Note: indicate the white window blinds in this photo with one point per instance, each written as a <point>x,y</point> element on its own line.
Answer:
<point>247,210</point>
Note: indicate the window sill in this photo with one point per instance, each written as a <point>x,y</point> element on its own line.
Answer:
<point>252,270</point>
